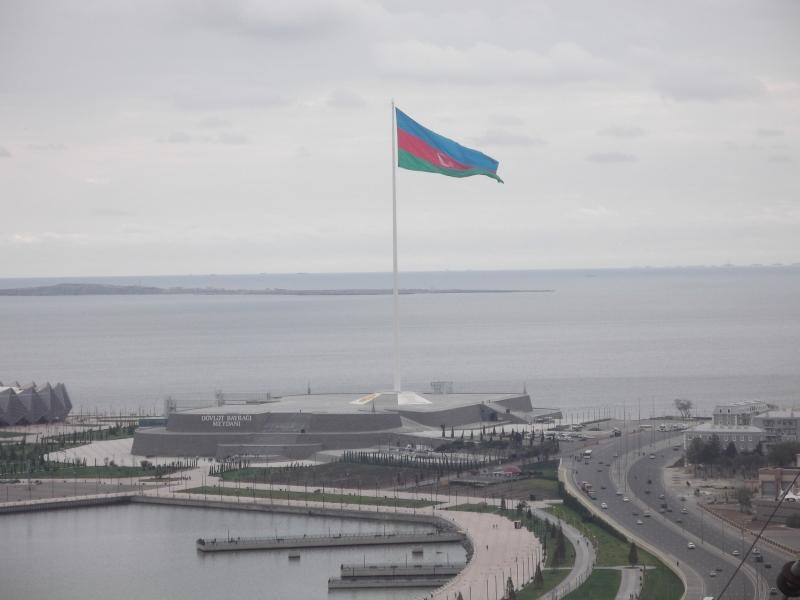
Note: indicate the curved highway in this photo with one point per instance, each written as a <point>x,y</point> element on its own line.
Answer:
<point>712,532</point>
<point>620,468</point>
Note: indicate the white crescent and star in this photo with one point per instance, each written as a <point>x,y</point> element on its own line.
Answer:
<point>443,160</point>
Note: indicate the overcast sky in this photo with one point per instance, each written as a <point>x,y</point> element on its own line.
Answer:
<point>242,136</point>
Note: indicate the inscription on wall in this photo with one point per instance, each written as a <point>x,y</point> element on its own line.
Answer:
<point>227,420</point>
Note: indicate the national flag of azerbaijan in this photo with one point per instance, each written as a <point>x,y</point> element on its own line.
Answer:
<point>420,149</point>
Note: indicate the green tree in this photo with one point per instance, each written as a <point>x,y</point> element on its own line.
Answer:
<point>694,453</point>
<point>730,450</point>
<point>783,454</point>
<point>538,578</point>
<point>511,593</point>
<point>560,553</point>
<point>684,407</point>
<point>633,555</point>
<point>744,497</point>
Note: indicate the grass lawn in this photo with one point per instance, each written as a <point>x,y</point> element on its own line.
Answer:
<point>602,584</point>
<point>315,496</point>
<point>336,474</point>
<point>91,472</point>
<point>535,525</point>
<point>541,488</point>
<point>480,507</point>
<point>611,551</point>
<point>661,584</point>
<point>551,580</point>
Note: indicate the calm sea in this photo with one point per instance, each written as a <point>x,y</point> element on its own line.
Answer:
<point>602,337</point>
<point>132,552</point>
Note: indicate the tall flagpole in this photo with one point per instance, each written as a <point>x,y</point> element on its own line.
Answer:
<point>395,294</point>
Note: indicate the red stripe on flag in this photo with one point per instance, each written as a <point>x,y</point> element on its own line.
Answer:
<point>421,149</point>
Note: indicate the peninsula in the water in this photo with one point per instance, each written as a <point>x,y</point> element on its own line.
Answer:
<point>97,289</point>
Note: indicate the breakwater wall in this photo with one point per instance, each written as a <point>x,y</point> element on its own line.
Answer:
<point>63,503</point>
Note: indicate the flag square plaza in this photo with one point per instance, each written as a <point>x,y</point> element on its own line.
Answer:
<point>420,149</point>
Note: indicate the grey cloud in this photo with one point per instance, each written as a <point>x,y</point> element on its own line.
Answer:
<point>764,132</point>
<point>227,99</point>
<point>289,21</point>
<point>610,157</point>
<point>179,137</point>
<point>484,62</point>
<point>345,99</point>
<point>501,137</point>
<point>622,131</point>
<point>225,137</point>
<point>109,211</point>
<point>231,138</point>
<point>214,123</point>
<point>48,148</point>
<point>506,120</point>
<point>707,85</point>
<point>4,153</point>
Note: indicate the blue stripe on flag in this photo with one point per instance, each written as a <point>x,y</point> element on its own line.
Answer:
<point>454,150</point>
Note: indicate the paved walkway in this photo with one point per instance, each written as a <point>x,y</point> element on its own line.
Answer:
<point>500,550</point>
<point>584,558</point>
<point>630,585</point>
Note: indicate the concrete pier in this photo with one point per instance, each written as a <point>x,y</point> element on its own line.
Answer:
<point>383,583</point>
<point>400,570</point>
<point>286,543</point>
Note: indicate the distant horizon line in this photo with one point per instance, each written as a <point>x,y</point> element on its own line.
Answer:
<point>776,265</point>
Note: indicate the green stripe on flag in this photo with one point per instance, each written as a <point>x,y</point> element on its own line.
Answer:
<point>406,160</point>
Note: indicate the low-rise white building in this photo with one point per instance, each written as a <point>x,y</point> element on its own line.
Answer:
<point>779,425</point>
<point>738,413</point>
<point>745,437</point>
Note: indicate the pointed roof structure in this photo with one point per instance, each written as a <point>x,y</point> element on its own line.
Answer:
<point>65,399</point>
<point>35,409</point>
<point>11,409</point>
<point>29,404</point>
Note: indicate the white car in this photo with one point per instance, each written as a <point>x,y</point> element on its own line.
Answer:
<point>619,493</point>
<point>690,546</point>
<point>735,553</point>
<point>626,499</point>
<point>603,505</point>
<point>652,456</point>
<point>684,511</point>
<point>639,522</point>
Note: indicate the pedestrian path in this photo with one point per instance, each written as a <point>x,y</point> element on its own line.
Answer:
<point>630,585</point>
<point>499,550</point>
